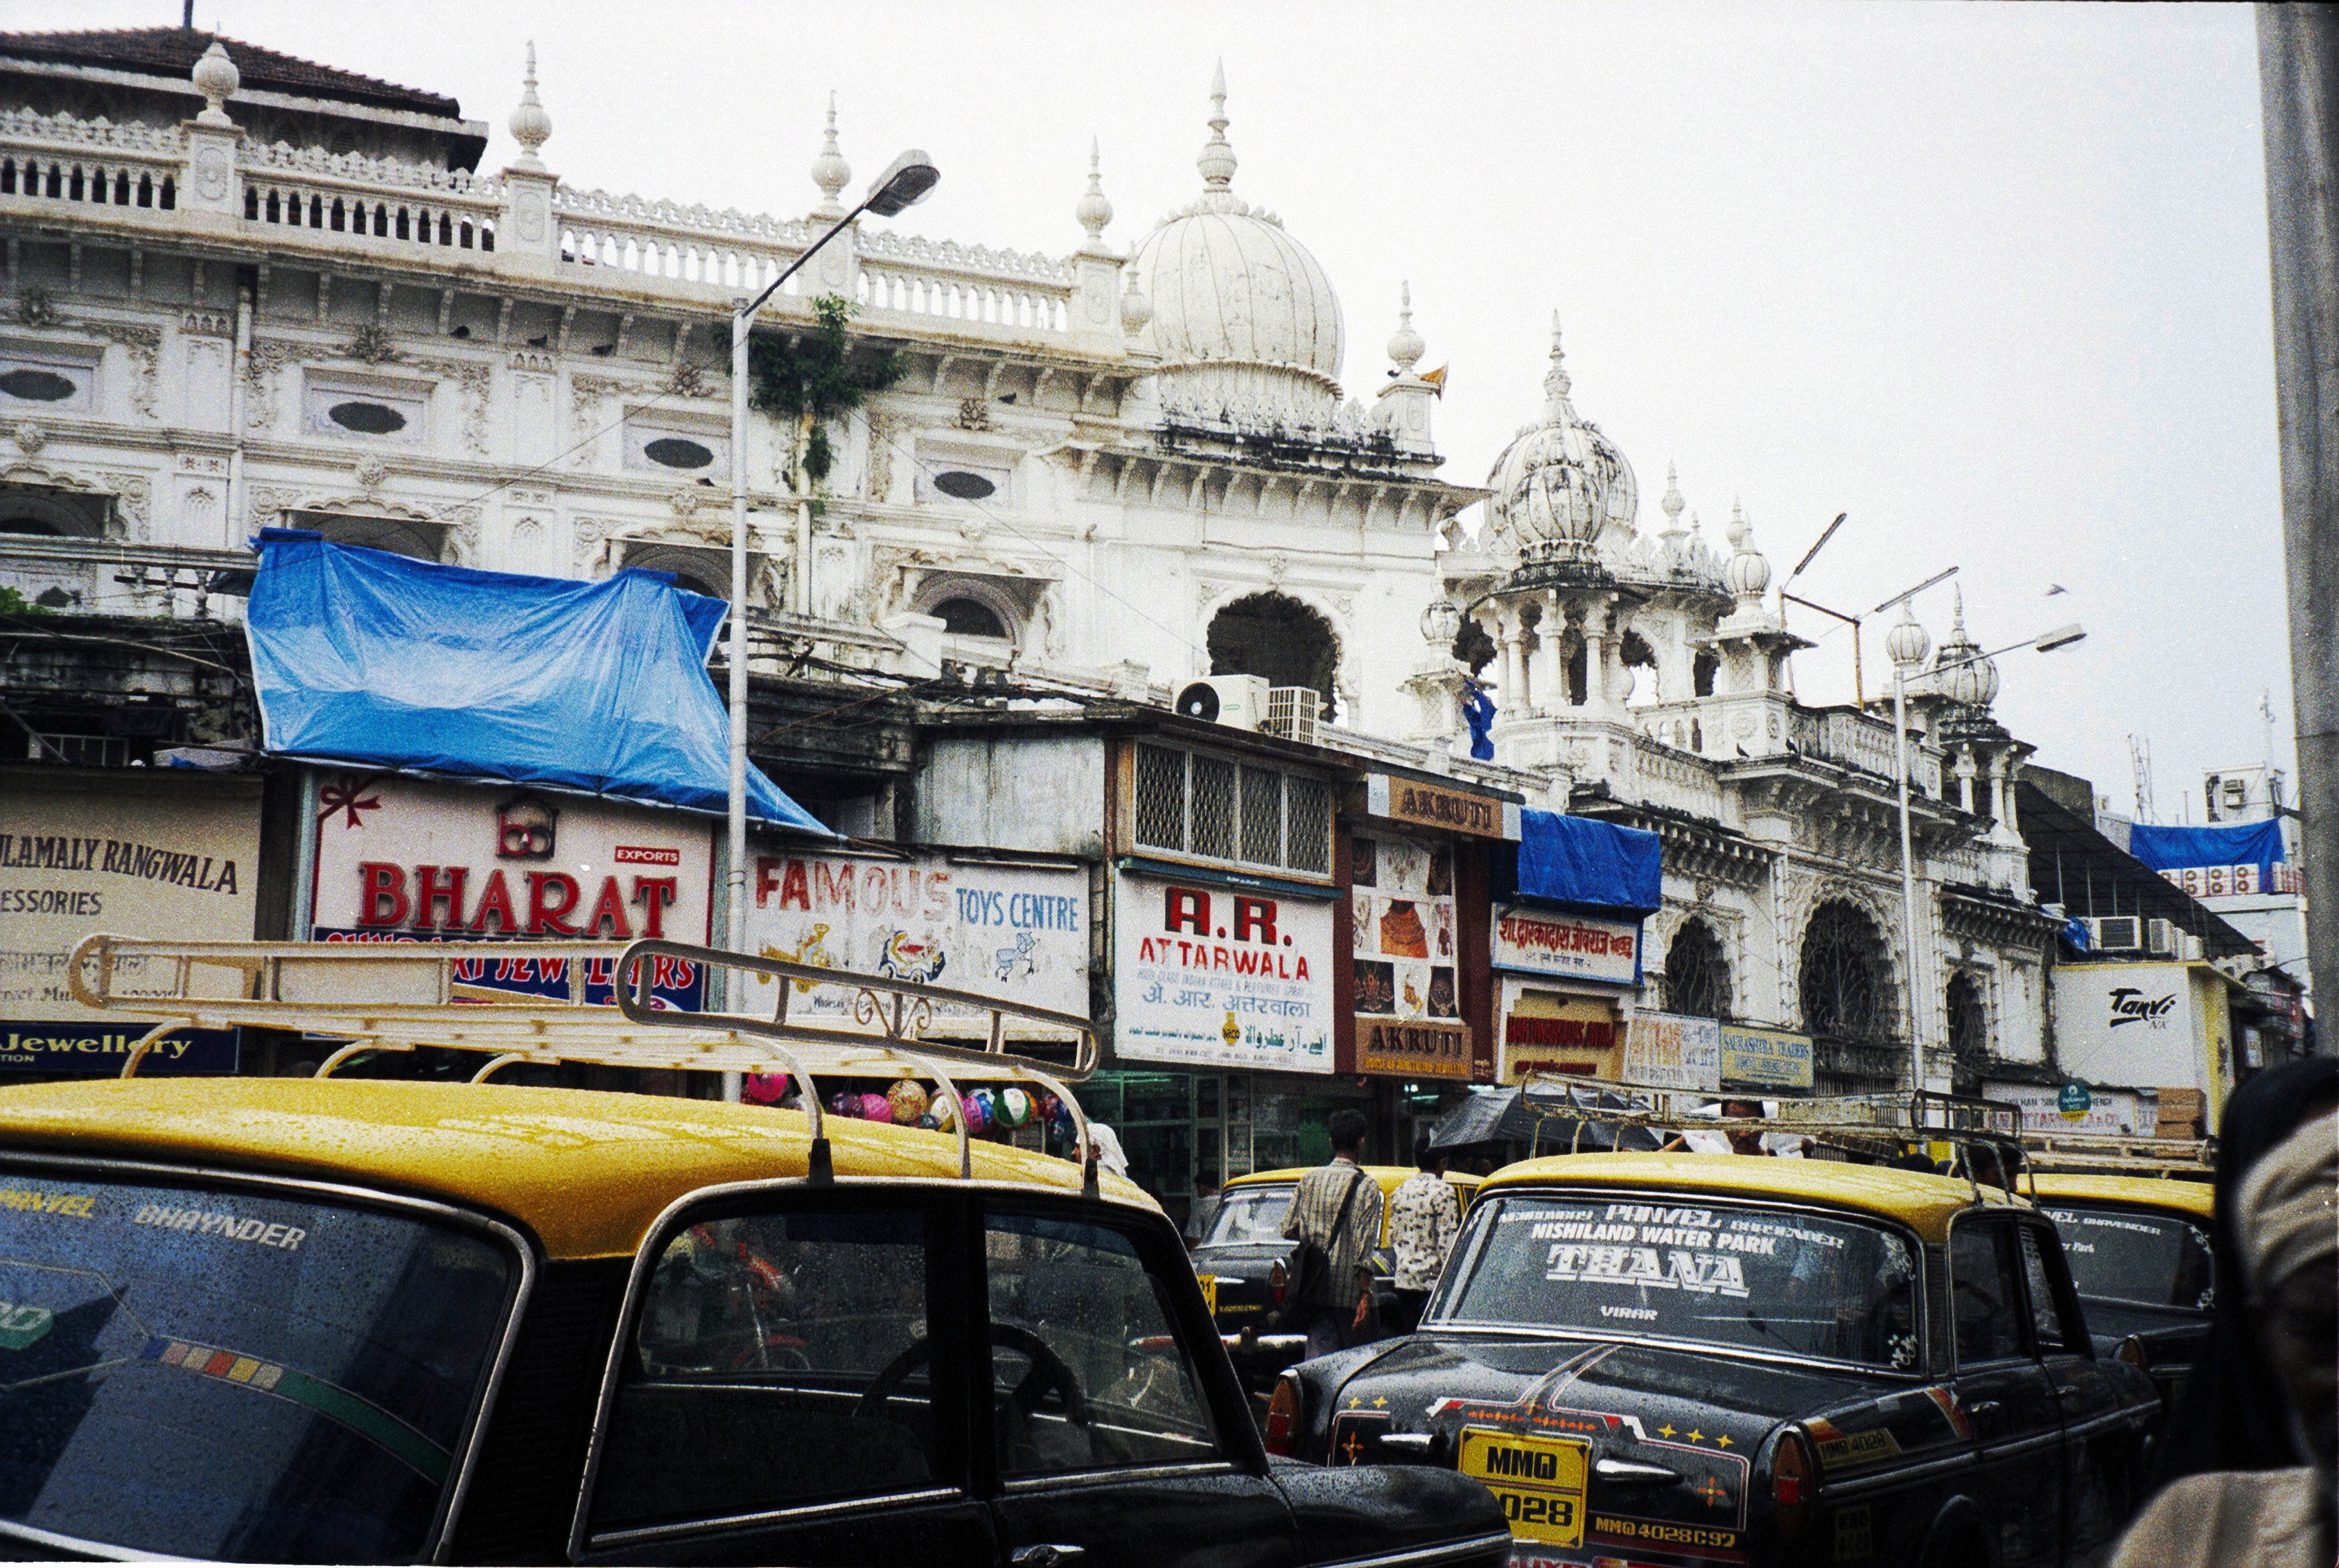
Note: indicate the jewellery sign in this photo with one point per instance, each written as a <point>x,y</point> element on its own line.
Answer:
<point>409,860</point>
<point>1018,933</point>
<point>1408,1008</point>
<point>167,854</point>
<point>1574,946</point>
<point>1215,976</point>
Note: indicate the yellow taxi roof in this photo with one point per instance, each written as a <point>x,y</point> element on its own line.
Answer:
<point>1922,1202</point>
<point>589,1172</point>
<point>2194,1197</point>
<point>1389,1177</point>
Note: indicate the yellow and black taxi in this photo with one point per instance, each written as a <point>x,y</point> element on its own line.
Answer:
<point>1236,1260</point>
<point>2140,1257</point>
<point>1682,1358</point>
<point>334,1321</point>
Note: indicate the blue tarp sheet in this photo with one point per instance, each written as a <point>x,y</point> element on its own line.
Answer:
<point>364,656</point>
<point>1575,860</point>
<point>2258,843</point>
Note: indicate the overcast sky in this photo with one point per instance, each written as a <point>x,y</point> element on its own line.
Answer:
<point>1990,278</point>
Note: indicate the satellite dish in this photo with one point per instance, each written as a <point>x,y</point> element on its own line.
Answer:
<point>1200,701</point>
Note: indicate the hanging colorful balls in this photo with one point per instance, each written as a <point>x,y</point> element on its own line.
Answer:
<point>843,1104</point>
<point>1014,1106</point>
<point>764,1088</point>
<point>876,1108</point>
<point>908,1100</point>
<point>978,1113</point>
<point>1049,1108</point>
<point>1061,1115</point>
<point>943,1109</point>
<point>929,1123</point>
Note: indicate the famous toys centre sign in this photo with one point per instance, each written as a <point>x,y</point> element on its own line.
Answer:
<point>1214,976</point>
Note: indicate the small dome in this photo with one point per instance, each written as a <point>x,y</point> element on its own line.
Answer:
<point>1747,570</point>
<point>1237,300</point>
<point>1906,643</point>
<point>1959,673</point>
<point>1561,483</point>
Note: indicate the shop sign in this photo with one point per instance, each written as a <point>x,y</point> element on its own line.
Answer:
<point>2047,1108</point>
<point>1576,946</point>
<point>1206,975</point>
<point>1669,1050</point>
<point>1765,1058</point>
<point>100,1050</point>
<point>1402,940</point>
<point>412,859</point>
<point>1017,932</point>
<point>2131,1023</point>
<point>1440,806</point>
<point>1412,1050</point>
<point>163,857</point>
<point>1545,1031</point>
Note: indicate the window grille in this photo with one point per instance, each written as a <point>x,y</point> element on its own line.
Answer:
<point>1844,978</point>
<point>1211,807</point>
<point>1697,974</point>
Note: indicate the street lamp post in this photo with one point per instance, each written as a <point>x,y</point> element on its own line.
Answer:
<point>1908,644</point>
<point>905,182</point>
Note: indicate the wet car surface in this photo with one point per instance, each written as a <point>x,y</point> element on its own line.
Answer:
<point>2140,1259</point>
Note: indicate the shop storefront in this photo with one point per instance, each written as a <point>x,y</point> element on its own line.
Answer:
<point>169,853</point>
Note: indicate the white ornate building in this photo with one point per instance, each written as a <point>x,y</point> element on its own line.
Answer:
<point>242,290</point>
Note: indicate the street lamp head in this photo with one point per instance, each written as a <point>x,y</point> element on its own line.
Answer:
<point>904,184</point>
<point>2061,638</point>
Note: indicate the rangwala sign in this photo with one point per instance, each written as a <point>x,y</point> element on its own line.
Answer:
<point>410,860</point>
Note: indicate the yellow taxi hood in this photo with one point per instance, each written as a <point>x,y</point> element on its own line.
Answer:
<point>2195,1197</point>
<point>1922,1202</point>
<point>589,1172</point>
<point>1389,1177</point>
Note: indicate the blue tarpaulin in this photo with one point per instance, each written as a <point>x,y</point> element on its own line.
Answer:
<point>364,656</point>
<point>1578,861</point>
<point>2258,843</point>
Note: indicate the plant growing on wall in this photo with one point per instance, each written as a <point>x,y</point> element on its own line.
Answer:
<point>816,377</point>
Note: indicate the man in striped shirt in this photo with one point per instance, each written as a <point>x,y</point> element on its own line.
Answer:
<point>1323,1195</point>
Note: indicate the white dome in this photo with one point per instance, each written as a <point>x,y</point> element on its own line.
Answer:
<point>1561,483</point>
<point>1242,314</point>
<point>1960,672</point>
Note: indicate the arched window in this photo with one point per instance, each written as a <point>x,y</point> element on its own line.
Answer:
<point>1278,639</point>
<point>1697,973</point>
<point>1702,670</point>
<point>1845,978</point>
<point>1969,1021</point>
<point>29,526</point>
<point>1635,655</point>
<point>1579,665</point>
<point>964,617</point>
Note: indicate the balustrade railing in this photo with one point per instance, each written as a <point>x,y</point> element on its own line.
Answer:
<point>1855,740</point>
<point>96,163</point>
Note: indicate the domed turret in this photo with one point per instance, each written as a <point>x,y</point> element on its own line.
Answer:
<point>1906,643</point>
<point>1244,319</point>
<point>1561,483</point>
<point>1959,674</point>
<point>1748,571</point>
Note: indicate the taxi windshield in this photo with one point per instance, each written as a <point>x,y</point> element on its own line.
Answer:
<point>234,1374</point>
<point>1250,1215</point>
<point>1712,1274</point>
<point>2136,1257</point>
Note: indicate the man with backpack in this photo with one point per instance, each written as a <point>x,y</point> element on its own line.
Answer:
<point>1335,1218</point>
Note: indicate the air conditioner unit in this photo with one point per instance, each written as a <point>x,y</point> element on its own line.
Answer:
<point>2192,951</point>
<point>1239,702</point>
<point>1293,713</point>
<point>2116,933</point>
<point>2161,938</point>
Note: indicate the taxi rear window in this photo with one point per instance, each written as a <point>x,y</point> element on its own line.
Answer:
<point>1710,1274</point>
<point>2141,1258</point>
<point>1250,1214</point>
<point>227,1372</point>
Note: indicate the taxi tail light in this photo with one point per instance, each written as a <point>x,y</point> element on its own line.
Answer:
<point>1282,1432</point>
<point>1791,1473</point>
<point>2131,1350</point>
<point>1279,1280</point>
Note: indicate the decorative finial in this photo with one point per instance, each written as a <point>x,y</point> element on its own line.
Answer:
<point>1748,571</point>
<point>531,127</point>
<point>830,171</point>
<point>216,78</point>
<point>1218,159</point>
<point>1136,310</point>
<point>1405,345</point>
<point>1672,503</point>
<point>1907,643</point>
<point>1092,210</point>
<point>1957,611</point>
<point>1554,381</point>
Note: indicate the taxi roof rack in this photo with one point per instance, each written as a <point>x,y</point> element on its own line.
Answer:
<point>2118,1154</point>
<point>402,995</point>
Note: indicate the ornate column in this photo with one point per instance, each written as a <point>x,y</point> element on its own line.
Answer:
<point>1965,772</point>
<point>1511,631</point>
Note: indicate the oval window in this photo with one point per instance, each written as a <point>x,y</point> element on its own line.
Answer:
<point>367,419</point>
<point>674,452</point>
<point>37,386</point>
<point>964,485</point>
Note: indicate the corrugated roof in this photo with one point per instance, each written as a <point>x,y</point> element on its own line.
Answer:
<point>174,51</point>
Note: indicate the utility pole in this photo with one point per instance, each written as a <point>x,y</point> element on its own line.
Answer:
<point>2298,88</point>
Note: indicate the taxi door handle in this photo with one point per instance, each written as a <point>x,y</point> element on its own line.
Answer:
<point>1046,1555</point>
<point>1981,1408</point>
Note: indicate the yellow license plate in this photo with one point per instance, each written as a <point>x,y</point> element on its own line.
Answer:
<point>1539,1481</point>
<point>1209,1292</point>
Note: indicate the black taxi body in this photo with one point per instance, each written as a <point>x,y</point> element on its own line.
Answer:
<point>2140,1257</point>
<point>333,1321</point>
<point>1701,1359</point>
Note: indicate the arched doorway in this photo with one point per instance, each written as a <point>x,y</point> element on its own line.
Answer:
<point>1845,980</point>
<point>1967,1012</point>
<point>1280,640</point>
<point>1697,973</point>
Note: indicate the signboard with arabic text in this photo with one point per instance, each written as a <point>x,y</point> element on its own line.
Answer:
<point>1208,975</point>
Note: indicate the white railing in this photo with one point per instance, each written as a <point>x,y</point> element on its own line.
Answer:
<point>1020,290</point>
<point>374,198</point>
<point>1855,740</point>
<point>725,249</point>
<point>96,163</point>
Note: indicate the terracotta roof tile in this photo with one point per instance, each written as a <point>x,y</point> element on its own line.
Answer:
<point>174,51</point>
